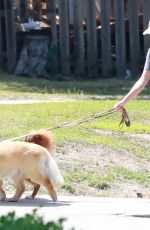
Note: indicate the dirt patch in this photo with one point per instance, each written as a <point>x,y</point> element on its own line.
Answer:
<point>83,158</point>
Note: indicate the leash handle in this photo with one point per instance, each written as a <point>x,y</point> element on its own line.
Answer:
<point>125,119</point>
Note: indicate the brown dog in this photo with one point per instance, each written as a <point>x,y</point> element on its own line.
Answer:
<point>22,160</point>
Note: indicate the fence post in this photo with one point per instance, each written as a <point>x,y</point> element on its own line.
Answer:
<point>64,37</point>
<point>146,15</point>
<point>134,36</point>
<point>120,38</point>
<point>91,38</point>
<point>78,37</point>
<point>106,38</point>
<point>10,35</point>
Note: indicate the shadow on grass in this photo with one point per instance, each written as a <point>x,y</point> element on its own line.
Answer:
<point>38,85</point>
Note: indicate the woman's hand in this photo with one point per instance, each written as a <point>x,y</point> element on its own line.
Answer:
<point>119,106</point>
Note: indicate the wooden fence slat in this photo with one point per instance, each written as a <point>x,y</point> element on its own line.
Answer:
<point>10,36</point>
<point>38,9</point>
<point>2,14</point>
<point>120,38</point>
<point>1,52</point>
<point>51,10</point>
<point>134,36</point>
<point>79,49</point>
<point>71,11</point>
<point>64,36</point>
<point>146,15</point>
<point>106,38</point>
<point>91,38</point>
<point>23,11</point>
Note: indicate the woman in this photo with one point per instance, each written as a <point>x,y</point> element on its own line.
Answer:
<point>141,82</point>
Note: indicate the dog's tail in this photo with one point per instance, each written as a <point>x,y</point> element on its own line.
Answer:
<point>51,170</point>
<point>47,162</point>
<point>43,138</point>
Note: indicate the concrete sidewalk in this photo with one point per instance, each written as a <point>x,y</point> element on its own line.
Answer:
<point>87,213</point>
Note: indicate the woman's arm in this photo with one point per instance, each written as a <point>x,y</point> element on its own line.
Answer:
<point>135,90</point>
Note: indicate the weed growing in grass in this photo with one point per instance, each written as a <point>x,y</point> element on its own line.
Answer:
<point>141,177</point>
<point>69,188</point>
<point>75,90</point>
<point>100,181</point>
<point>97,180</point>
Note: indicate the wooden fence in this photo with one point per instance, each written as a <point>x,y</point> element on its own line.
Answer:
<point>7,36</point>
<point>96,37</point>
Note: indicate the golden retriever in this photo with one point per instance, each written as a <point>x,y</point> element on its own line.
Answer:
<point>32,161</point>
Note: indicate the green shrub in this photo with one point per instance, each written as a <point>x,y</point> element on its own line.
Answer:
<point>29,221</point>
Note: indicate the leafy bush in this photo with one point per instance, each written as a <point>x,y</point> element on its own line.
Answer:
<point>29,221</point>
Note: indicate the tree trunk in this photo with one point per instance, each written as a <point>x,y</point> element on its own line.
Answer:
<point>33,57</point>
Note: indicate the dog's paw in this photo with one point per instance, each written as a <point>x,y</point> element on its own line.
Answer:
<point>11,200</point>
<point>54,198</point>
<point>2,198</point>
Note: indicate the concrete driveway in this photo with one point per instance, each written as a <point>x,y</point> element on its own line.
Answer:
<point>87,213</point>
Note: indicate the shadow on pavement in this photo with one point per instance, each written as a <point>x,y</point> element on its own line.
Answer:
<point>133,215</point>
<point>37,202</point>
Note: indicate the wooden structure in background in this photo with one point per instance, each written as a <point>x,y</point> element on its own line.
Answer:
<point>7,36</point>
<point>146,10</point>
<point>98,37</point>
<point>120,38</point>
<point>106,38</point>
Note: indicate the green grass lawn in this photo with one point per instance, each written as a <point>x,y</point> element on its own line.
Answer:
<point>16,120</point>
<point>21,119</point>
